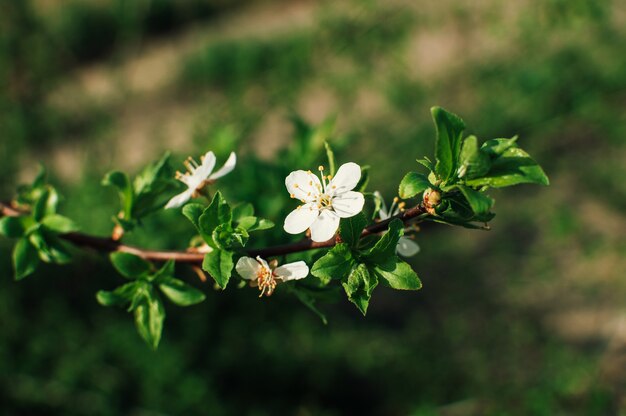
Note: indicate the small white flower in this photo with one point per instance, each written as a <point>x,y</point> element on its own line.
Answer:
<point>198,176</point>
<point>324,202</point>
<point>406,246</point>
<point>266,276</point>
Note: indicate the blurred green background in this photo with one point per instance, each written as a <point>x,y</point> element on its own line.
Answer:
<point>527,319</point>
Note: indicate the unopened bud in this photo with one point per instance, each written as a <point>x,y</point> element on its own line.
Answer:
<point>432,197</point>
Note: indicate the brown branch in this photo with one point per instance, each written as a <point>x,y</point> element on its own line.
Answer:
<point>108,245</point>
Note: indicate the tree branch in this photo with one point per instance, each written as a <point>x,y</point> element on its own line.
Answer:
<point>108,245</point>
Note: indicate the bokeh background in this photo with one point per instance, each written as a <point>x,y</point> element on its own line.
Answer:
<point>527,319</point>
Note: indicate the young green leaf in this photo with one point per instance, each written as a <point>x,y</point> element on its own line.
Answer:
<point>448,144</point>
<point>479,202</point>
<point>59,224</point>
<point>149,317</point>
<point>385,248</point>
<point>49,247</point>
<point>413,184</point>
<point>118,297</point>
<point>359,287</point>
<point>25,258</point>
<point>473,161</point>
<point>193,212</point>
<point>180,292</point>
<point>254,223</point>
<point>336,264</point>
<point>496,147</point>
<point>512,167</point>
<point>243,210</point>
<point>121,181</point>
<point>153,176</point>
<point>219,264</point>
<point>12,227</point>
<point>397,274</point>
<point>40,206</point>
<point>130,266</point>
<point>350,229</point>
<point>217,213</point>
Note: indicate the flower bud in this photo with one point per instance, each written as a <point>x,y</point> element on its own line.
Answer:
<point>432,197</point>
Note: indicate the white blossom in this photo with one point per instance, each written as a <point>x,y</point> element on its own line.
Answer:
<point>325,202</point>
<point>406,246</point>
<point>200,175</point>
<point>266,276</point>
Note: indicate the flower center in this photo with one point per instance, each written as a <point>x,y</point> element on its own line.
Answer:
<point>266,282</point>
<point>324,201</point>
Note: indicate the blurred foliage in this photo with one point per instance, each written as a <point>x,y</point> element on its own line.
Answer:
<point>477,339</point>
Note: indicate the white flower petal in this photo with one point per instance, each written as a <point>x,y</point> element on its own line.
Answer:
<point>348,175</point>
<point>263,263</point>
<point>407,247</point>
<point>248,268</point>
<point>180,199</point>
<point>227,168</point>
<point>292,271</point>
<point>303,185</point>
<point>300,219</point>
<point>325,226</point>
<point>348,204</point>
<point>205,169</point>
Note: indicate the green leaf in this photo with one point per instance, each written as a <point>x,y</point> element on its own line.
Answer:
<point>167,270</point>
<point>219,264</point>
<point>427,163</point>
<point>243,210</point>
<point>118,297</point>
<point>59,224</point>
<point>12,227</point>
<point>330,155</point>
<point>152,175</point>
<point>350,229</point>
<point>479,202</point>
<point>193,212</point>
<point>336,264</point>
<point>385,248</point>
<point>217,213</point>
<point>512,167</point>
<point>241,236</point>
<point>448,145</point>
<point>223,236</point>
<point>45,204</point>
<point>50,248</point>
<point>413,184</point>
<point>359,287</point>
<point>149,317</point>
<point>121,181</point>
<point>496,147</point>
<point>254,223</point>
<point>180,292</point>
<point>398,274</point>
<point>473,162</point>
<point>130,266</point>
<point>25,258</point>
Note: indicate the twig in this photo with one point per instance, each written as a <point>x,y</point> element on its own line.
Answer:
<point>109,245</point>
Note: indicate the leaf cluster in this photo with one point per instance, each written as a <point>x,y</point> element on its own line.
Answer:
<point>360,268</point>
<point>38,229</point>
<point>225,230</point>
<point>143,195</point>
<point>141,296</point>
<point>464,170</point>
